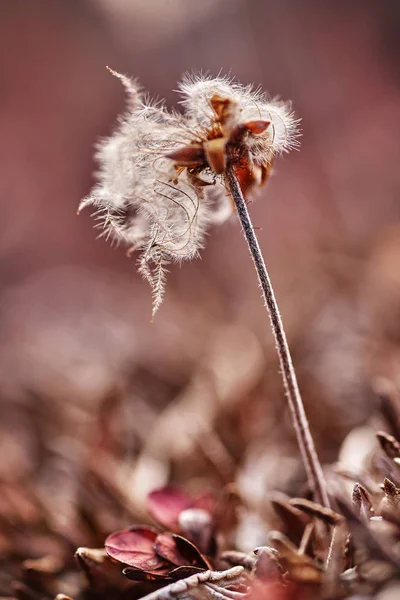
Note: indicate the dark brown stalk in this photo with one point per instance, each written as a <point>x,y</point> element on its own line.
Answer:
<point>304,438</point>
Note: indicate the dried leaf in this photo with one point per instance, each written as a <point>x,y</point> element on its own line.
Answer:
<point>179,551</point>
<point>293,520</point>
<point>267,565</point>
<point>166,547</point>
<point>301,567</point>
<point>190,553</point>
<point>135,547</point>
<point>316,510</point>
<point>205,585</point>
<point>365,535</point>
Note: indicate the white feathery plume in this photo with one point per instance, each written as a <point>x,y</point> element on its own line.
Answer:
<point>160,181</point>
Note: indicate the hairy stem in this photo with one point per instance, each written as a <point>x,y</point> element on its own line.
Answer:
<point>302,428</point>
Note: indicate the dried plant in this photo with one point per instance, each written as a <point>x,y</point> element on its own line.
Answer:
<point>161,179</point>
<point>185,554</point>
<point>365,557</point>
<point>163,174</point>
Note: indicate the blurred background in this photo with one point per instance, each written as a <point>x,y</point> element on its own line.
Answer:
<point>97,404</point>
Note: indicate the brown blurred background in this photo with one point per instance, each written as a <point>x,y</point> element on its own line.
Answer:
<point>197,393</point>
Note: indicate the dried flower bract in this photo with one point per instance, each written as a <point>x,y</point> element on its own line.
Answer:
<point>161,178</point>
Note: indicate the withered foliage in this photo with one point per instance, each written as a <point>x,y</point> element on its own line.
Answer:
<point>86,512</point>
<point>181,544</point>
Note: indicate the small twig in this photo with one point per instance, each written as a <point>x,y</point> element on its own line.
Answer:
<point>304,437</point>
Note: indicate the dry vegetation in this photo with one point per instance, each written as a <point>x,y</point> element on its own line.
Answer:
<point>160,459</point>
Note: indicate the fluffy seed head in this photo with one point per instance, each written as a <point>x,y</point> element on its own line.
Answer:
<point>161,174</point>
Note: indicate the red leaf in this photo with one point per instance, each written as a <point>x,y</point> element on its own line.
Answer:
<point>166,548</point>
<point>190,553</point>
<point>166,504</point>
<point>134,547</point>
<point>179,551</point>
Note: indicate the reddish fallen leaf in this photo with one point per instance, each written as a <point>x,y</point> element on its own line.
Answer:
<point>190,553</point>
<point>135,547</point>
<point>165,546</point>
<point>166,504</point>
<point>179,551</point>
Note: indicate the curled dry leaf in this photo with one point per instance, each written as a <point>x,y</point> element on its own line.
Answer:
<point>267,566</point>
<point>316,510</point>
<point>206,585</point>
<point>293,520</point>
<point>300,568</point>
<point>190,552</point>
<point>166,548</point>
<point>371,535</point>
<point>179,551</point>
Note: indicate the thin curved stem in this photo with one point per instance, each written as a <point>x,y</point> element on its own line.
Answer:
<point>304,438</point>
